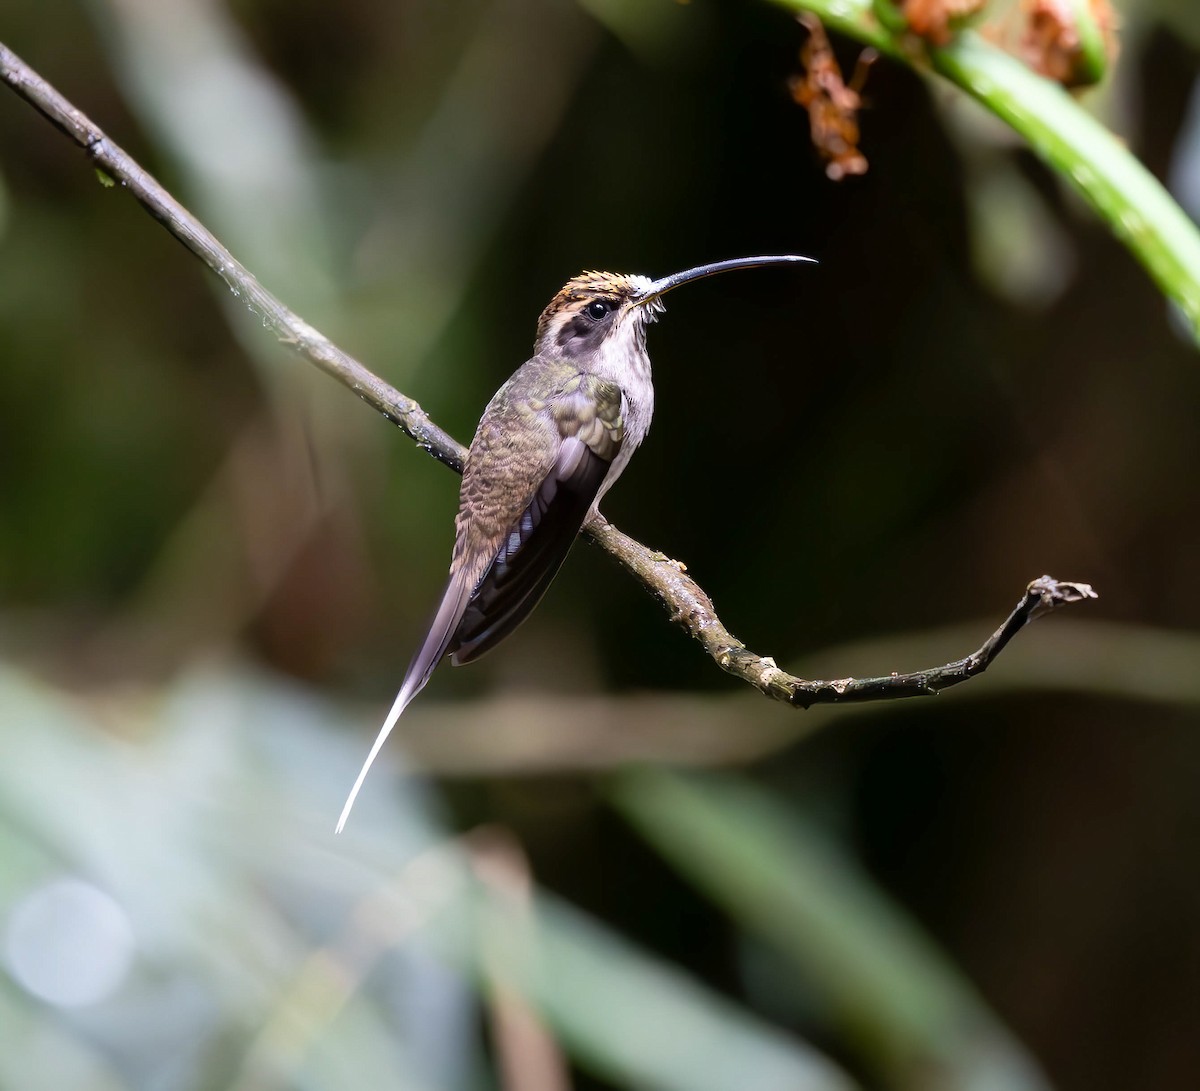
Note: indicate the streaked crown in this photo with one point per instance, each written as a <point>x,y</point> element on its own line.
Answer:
<point>587,307</point>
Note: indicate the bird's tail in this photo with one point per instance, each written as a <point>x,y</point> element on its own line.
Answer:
<point>437,641</point>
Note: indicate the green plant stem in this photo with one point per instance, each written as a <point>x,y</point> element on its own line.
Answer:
<point>1135,205</point>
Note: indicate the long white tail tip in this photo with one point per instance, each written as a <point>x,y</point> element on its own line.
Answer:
<point>402,699</point>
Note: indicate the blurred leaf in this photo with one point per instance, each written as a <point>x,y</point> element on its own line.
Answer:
<point>655,30</point>
<point>247,157</point>
<point>638,1021</point>
<point>280,953</point>
<point>210,835</point>
<point>916,1020</point>
<point>37,1053</point>
<point>1017,246</point>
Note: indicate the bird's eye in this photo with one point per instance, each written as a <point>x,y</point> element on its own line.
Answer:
<point>598,309</point>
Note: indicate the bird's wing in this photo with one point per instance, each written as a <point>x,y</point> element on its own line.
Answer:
<point>587,433</point>
<point>530,556</point>
<point>519,515</point>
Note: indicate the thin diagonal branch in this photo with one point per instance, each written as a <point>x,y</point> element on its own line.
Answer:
<point>291,328</point>
<point>683,598</point>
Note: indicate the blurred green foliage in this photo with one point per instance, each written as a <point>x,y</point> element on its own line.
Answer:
<point>213,565</point>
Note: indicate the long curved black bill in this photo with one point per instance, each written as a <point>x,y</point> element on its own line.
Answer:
<point>665,284</point>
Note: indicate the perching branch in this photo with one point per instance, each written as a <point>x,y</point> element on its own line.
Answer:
<point>688,605</point>
<point>684,599</point>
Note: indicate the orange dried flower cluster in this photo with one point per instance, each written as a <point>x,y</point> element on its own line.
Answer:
<point>832,104</point>
<point>935,20</point>
<point>1055,45</point>
<point>1070,41</point>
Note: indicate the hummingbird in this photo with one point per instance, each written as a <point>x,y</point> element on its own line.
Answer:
<point>549,445</point>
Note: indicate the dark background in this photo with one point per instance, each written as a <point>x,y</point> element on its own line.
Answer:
<point>977,385</point>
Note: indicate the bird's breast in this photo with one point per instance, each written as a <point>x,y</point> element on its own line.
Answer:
<point>627,365</point>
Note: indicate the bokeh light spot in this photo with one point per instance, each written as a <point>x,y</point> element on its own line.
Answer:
<point>69,943</point>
